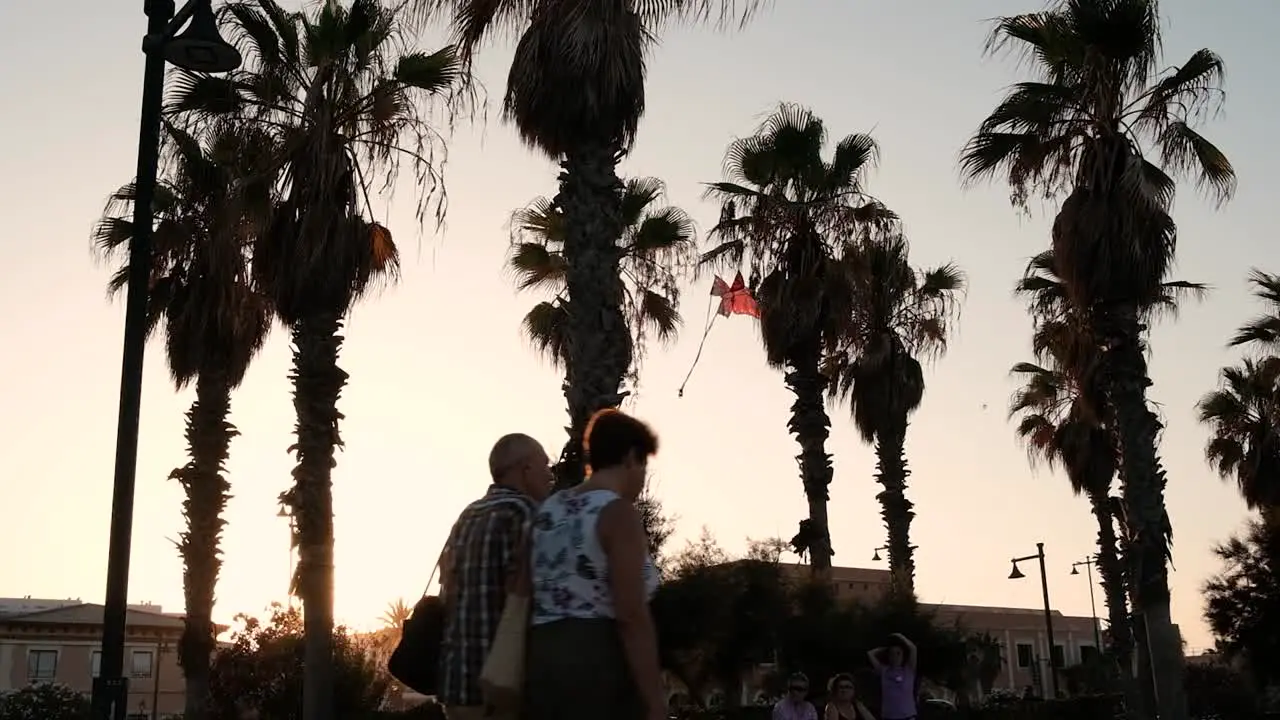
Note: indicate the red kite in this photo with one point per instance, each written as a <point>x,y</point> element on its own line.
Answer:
<point>735,299</point>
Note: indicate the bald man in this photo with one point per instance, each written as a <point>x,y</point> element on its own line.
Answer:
<point>478,563</point>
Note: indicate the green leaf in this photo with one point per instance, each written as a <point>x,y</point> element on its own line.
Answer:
<point>433,73</point>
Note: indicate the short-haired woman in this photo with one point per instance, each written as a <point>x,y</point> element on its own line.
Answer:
<point>842,700</point>
<point>592,649</point>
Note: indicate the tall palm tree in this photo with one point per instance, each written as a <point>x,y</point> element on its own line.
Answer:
<point>347,103</point>
<point>1100,99</point>
<point>1244,414</point>
<point>1244,418</point>
<point>217,193</point>
<point>657,248</point>
<point>900,315</point>
<point>798,210</point>
<point>1063,421</point>
<point>576,92</point>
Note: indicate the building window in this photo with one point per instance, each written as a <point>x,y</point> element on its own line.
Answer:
<point>42,665</point>
<point>1088,653</point>
<point>95,662</point>
<point>1059,657</point>
<point>140,664</point>
<point>1024,655</point>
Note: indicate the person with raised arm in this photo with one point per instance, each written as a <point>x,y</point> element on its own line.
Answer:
<point>895,663</point>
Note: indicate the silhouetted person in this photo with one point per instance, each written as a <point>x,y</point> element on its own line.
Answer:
<point>478,566</point>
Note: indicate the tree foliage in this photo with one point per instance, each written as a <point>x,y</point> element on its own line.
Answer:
<point>44,701</point>
<point>718,615</point>
<point>658,525</point>
<point>1242,602</point>
<point>1217,689</point>
<point>262,671</point>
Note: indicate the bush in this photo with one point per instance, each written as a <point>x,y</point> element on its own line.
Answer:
<point>45,701</point>
<point>1218,690</point>
<point>262,672</point>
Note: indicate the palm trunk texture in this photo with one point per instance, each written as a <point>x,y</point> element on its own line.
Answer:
<point>811,426</point>
<point>599,342</point>
<point>1143,480</point>
<point>207,491</point>
<point>895,508</point>
<point>318,383</point>
<point>1119,636</point>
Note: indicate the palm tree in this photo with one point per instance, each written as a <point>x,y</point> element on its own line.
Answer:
<point>798,211</point>
<point>1244,414</point>
<point>1244,418</point>
<point>1264,330</point>
<point>214,323</point>
<point>346,103</point>
<point>1063,421</point>
<point>1100,99</point>
<point>657,248</point>
<point>575,92</point>
<point>899,316</point>
<point>396,614</point>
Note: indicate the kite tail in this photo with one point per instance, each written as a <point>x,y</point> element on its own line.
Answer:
<point>711,320</point>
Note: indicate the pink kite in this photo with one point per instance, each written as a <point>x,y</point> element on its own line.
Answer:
<point>735,299</point>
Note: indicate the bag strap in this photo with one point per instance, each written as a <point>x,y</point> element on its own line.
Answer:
<point>434,570</point>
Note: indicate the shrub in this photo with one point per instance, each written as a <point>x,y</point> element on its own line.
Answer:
<point>45,701</point>
<point>262,671</point>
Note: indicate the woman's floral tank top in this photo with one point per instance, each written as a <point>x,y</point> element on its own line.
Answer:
<point>569,568</point>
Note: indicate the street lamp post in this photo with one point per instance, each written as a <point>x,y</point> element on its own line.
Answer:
<point>1016,574</point>
<point>1093,608</point>
<point>875,554</point>
<point>199,49</point>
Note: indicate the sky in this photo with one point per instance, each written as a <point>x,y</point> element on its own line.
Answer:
<point>438,367</point>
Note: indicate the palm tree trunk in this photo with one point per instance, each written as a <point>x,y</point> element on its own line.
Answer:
<point>895,508</point>
<point>207,491</point>
<point>598,352</point>
<point>317,383</point>
<point>811,426</point>
<point>1119,637</point>
<point>1136,430</point>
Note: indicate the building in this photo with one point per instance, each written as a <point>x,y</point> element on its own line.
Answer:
<point>1021,632</point>
<point>1024,640</point>
<point>59,641</point>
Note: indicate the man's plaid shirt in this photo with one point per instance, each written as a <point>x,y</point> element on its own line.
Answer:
<point>480,552</point>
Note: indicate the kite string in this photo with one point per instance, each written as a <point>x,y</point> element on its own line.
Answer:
<point>711,320</point>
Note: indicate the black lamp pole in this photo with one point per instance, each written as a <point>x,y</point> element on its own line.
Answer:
<point>1048,613</point>
<point>200,49</point>
<point>1093,607</point>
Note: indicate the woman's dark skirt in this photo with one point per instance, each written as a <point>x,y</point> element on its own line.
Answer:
<point>577,670</point>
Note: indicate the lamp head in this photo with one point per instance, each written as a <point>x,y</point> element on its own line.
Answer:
<point>200,48</point>
<point>1075,570</point>
<point>284,512</point>
<point>876,557</point>
<point>1016,574</point>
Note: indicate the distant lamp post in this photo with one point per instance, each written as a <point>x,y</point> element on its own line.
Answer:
<point>285,512</point>
<point>875,557</point>
<point>1093,608</point>
<point>1016,574</point>
<point>200,48</point>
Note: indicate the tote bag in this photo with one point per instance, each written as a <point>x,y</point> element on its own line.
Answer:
<point>502,677</point>
<point>416,660</point>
